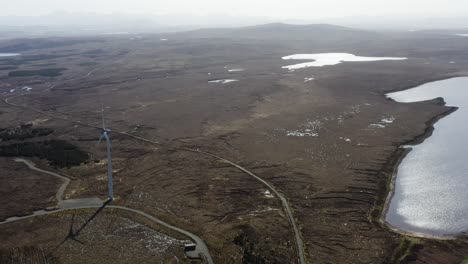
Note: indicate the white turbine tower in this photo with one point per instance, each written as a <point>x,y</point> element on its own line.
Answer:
<point>105,134</point>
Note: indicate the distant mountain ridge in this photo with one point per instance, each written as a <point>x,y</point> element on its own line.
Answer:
<point>278,31</point>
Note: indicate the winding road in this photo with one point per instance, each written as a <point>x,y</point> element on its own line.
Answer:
<point>284,202</point>
<point>63,187</point>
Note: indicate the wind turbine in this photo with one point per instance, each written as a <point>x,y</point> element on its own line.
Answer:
<point>105,134</point>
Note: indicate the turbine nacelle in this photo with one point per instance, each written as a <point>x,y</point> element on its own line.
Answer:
<point>104,134</point>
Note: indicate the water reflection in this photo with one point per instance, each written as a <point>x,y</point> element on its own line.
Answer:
<point>432,181</point>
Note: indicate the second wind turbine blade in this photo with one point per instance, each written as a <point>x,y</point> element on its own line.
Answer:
<point>100,139</point>
<point>102,116</point>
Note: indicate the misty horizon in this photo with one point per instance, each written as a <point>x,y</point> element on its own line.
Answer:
<point>51,17</point>
<point>293,9</point>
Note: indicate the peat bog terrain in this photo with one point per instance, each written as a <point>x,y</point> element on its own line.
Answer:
<point>327,139</point>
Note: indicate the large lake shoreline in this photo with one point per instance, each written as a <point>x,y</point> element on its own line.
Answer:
<point>395,162</point>
<point>399,156</point>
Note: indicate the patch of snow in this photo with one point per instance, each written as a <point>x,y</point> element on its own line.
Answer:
<point>309,79</point>
<point>143,195</point>
<point>305,133</point>
<point>223,81</point>
<point>452,62</point>
<point>164,39</point>
<point>383,123</point>
<point>326,59</point>
<point>268,194</point>
<point>345,139</point>
<point>236,70</point>
<point>387,120</point>
<point>377,126</point>
<point>300,134</point>
<point>462,35</point>
<point>314,125</point>
<point>267,209</point>
<point>27,88</point>
<point>309,129</point>
<point>352,111</point>
<point>12,90</point>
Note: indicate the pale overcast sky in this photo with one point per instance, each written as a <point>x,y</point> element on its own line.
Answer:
<point>284,9</point>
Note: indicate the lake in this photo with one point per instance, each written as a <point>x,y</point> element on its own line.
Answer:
<point>8,54</point>
<point>431,185</point>
<point>328,59</point>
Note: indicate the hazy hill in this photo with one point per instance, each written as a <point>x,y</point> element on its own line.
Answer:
<point>281,31</point>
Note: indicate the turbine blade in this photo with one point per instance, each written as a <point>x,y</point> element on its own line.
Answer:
<point>100,139</point>
<point>102,116</point>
